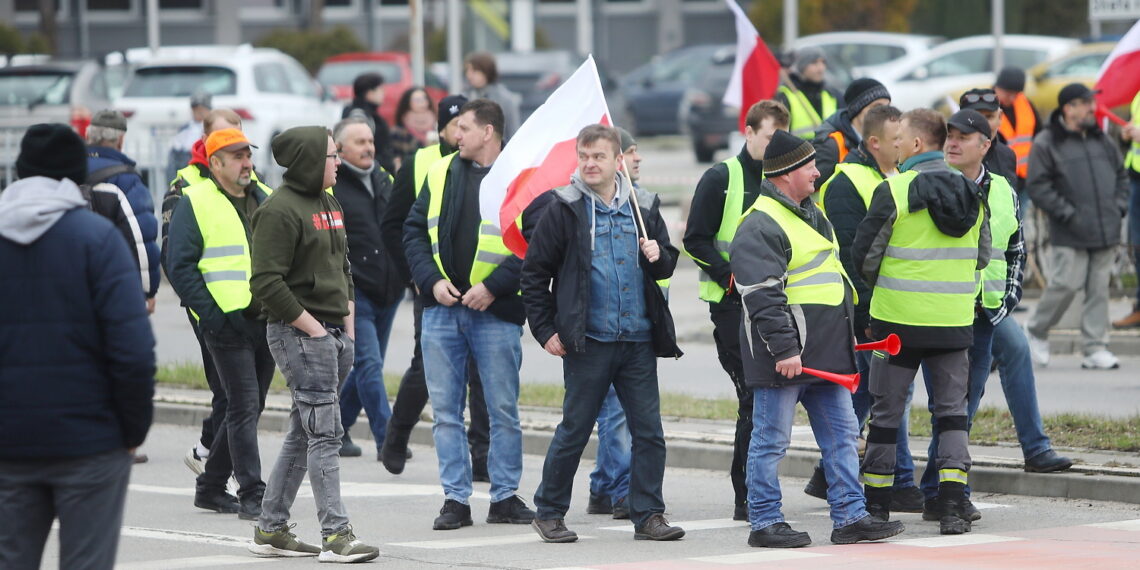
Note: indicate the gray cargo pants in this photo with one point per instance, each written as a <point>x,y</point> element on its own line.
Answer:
<point>1075,270</point>
<point>891,377</point>
<point>314,369</point>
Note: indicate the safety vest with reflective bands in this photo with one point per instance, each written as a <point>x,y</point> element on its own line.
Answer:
<point>425,157</point>
<point>926,278</point>
<point>1132,159</point>
<point>709,290</point>
<point>863,177</point>
<point>490,251</point>
<point>1020,139</point>
<point>225,263</point>
<point>190,175</point>
<point>805,120</point>
<point>814,275</point>
<point>1003,224</point>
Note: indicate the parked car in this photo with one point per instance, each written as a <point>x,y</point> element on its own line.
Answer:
<point>1045,80</point>
<point>851,55</point>
<point>652,93</point>
<point>965,63</point>
<point>270,90</point>
<point>38,91</point>
<point>705,118</point>
<point>337,73</point>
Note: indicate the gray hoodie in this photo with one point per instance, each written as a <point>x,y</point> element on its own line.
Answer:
<point>31,206</point>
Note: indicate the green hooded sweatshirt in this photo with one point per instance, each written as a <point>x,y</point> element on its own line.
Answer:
<point>299,246</point>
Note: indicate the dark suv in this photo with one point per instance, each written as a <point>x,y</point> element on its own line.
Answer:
<point>706,119</point>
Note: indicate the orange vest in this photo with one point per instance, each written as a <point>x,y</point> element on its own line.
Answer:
<point>1021,138</point>
<point>838,137</point>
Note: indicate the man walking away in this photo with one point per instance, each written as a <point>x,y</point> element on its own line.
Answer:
<point>78,392</point>
<point>606,317</point>
<point>1077,177</point>
<point>301,276</point>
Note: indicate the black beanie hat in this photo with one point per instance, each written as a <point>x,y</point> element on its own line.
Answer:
<point>449,109</point>
<point>786,153</point>
<point>861,93</point>
<point>1011,79</point>
<point>52,150</point>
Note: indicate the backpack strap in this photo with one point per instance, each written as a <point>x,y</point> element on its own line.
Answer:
<point>106,173</point>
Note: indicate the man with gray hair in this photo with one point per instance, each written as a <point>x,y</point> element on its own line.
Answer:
<point>107,163</point>
<point>363,189</point>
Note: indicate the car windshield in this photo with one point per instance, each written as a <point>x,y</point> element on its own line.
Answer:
<point>181,81</point>
<point>35,87</point>
<point>344,72</point>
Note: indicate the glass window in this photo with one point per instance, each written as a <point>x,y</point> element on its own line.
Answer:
<point>300,83</point>
<point>1023,58</point>
<point>122,5</point>
<point>33,5</point>
<point>270,78</point>
<point>35,87</point>
<point>1088,64</point>
<point>343,72</point>
<point>957,63</point>
<point>180,4</point>
<point>181,81</point>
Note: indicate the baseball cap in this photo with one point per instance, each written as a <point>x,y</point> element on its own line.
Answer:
<point>111,119</point>
<point>226,139</point>
<point>979,100</point>
<point>970,121</point>
<point>1074,91</point>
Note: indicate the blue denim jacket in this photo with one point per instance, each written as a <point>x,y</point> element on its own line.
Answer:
<point>617,294</point>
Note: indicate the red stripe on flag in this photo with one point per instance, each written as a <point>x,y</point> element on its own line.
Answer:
<point>761,77</point>
<point>1120,81</point>
<point>554,171</point>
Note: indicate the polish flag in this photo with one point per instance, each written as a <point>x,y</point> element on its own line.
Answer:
<point>756,73</point>
<point>542,154</point>
<point>1119,76</point>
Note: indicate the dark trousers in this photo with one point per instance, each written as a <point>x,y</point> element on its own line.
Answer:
<point>631,368</point>
<point>86,494</point>
<point>245,367</point>
<point>726,318</point>
<point>217,393</point>
<point>412,396</point>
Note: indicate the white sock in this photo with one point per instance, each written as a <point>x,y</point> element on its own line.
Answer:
<point>201,450</point>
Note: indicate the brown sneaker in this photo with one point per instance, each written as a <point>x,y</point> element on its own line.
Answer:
<point>1130,321</point>
<point>657,528</point>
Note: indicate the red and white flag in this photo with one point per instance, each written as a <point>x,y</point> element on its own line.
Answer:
<point>542,154</point>
<point>1119,76</point>
<point>756,73</point>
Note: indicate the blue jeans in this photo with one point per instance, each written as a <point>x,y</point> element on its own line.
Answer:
<point>832,421</point>
<point>861,400</point>
<point>631,368</point>
<point>364,387</point>
<point>610,476</point>
<point>450,335</point>
<point>1011,351</point>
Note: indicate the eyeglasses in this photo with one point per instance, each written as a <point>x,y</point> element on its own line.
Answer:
<point>988,97</point>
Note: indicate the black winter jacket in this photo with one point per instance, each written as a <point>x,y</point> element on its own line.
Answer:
<point>1079,180</point>
<point>374,273</point>
<point>503,282</point>
<point>559,251</point>
<point>1002,161</point>
<point>381,133</point>
<point>826,149</point>
<point>399,205</point>
<point>772,329</point>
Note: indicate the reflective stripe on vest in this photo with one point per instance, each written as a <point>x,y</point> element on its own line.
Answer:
<point>804,119</point>
<point>1132,159</point>
<point>1003,224</point>
<point>864,178</point>
<point>225,263</point>
<point>814,275</point>
<point>840,143</point>
<point>1021,138</point>
<point>708,289</point>
<point>923,267</point>
<point>424,158</point>
<point>489,250</point>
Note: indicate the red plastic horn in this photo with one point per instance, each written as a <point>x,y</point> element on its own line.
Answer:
<point>849,381</point>
<point>891,344</point>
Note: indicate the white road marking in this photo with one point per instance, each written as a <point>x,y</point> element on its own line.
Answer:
<point>347,489</point>
<point>707,524</point>
<point>182,491</point>
<point>968,539</point>
<point>1119,525</point>
<point>194,562</point>
<point>476,541</point>
<point>758,557</point>
<point>984,506</point>
<point>186,536</point>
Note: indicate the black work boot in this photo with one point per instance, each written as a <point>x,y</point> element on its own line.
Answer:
<point>394,450</point>
<point>348,448</point>
<point>952,500</point>
<point>878,502</point>
<point>452,516</point>
<point>217,500</point>
<point>599,505</point>
<point>817,485</point>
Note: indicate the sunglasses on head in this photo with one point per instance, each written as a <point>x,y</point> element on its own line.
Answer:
<point>988,97</point>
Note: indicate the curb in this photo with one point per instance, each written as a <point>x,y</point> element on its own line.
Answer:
<point>800,461</point>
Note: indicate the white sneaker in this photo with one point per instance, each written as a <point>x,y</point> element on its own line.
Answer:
<point>1038,348</point>
<point>1100,360</point>
<point>195,462</point>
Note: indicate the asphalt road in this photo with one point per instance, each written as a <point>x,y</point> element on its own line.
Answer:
<point>162,530</point>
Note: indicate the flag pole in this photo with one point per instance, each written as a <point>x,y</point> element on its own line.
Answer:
<point>633,198</point>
